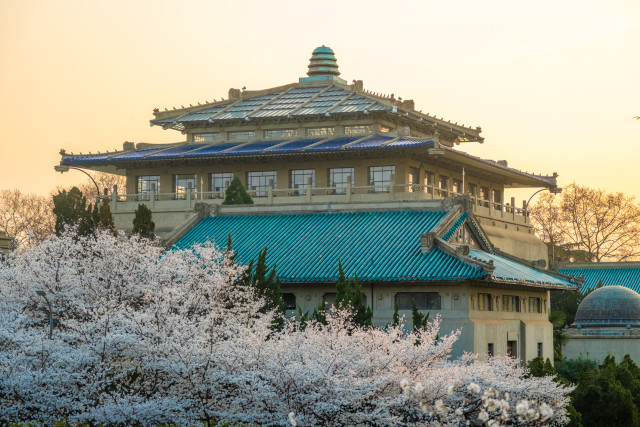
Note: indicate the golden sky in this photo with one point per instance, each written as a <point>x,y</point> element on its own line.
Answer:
<point>553,84</point>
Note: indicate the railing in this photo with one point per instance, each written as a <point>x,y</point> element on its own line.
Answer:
<point>308,194</point>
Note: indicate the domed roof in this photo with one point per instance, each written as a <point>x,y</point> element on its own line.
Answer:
<point>609,306</point>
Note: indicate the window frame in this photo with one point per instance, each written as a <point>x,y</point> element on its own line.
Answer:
<point>380,178</point>
<point>180,191</point>
<point>485,302</point>
<point>295,175</point>
<point>341,186</point>
<point>218,192</point>
<point>262,189</point>
<point>144,193</point>
<point>423,300</point>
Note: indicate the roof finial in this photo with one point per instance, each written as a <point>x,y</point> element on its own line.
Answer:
<point>323,65</point>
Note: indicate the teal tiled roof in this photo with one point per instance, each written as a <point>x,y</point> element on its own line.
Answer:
<point>378,246</point>
<point>507,270</point>
<point>625,274</point>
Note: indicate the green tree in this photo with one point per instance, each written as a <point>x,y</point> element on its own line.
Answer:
<point>69,207</point>
<point>106,219</point>
<point>604,396</point>
<point>142,222</point>
<point>396,317</point>
<point>538,367</point>
<point>419,319</point>
<point>557,319</point>
<point>236,194</point>
<point>266,283</point>
<point>350,297</point>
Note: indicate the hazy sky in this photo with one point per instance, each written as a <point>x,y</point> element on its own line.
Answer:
<point>553,83</point>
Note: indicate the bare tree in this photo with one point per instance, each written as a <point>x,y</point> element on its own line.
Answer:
<point>602,226</point>
<point>28,218</point>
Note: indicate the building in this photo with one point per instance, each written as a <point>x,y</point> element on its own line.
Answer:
<point>436,255</point>
<point>607,323</point>
<point>337,172</point>
<point>315,142</point>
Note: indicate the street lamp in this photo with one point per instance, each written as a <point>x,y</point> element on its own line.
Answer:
<point>554,190</point>
<point>65,168</point>
<point>43,294</point>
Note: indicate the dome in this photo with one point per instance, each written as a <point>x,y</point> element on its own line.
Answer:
<point>609,306</point>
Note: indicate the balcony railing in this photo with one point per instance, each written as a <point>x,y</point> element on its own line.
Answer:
<point>184,201</point>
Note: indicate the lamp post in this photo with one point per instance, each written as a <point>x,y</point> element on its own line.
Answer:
<point>554,190</point>
<point>43,294</point>
<point>65,168</point>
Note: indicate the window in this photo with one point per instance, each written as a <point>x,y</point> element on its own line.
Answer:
<point>280,133</point>
<point>358,130</point>
<point>385,129</point>
<point>429,182</point>
<point>423,300</point>
<point>497,199</point>
<point>539,349</point>
<point>219,183</point>
<point>328,300</point>
<point>512,348</point>
<point>259,182</point>
<point>414,179</point>
<point>184,183</point>
<point>289,301</point>
<point>380,178</point>
<point>457,186</point>
<point>473,190</point>
<point>328,131</point>
<point>146,185</point>
<point>444,185</point>
<point>484,195</point>
<point>206,137</point>
<point>490,349</point>
<point>242,135</point>
<point>338,179</point>
<point>485,302</point>
<point>535,305</point>
<point>511,303</point>
<point>299,180</point>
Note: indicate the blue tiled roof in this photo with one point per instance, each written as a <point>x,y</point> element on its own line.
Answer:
<point>380,246</point>
<point>190,150</point>
<point>377,246</point>
<point>623,274</point>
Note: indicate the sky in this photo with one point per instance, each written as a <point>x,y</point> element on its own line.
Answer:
<point>553,84</point>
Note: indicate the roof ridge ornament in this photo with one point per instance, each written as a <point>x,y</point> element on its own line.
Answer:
<point>323,65</point>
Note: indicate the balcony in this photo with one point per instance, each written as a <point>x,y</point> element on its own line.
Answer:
<point>306,195</point>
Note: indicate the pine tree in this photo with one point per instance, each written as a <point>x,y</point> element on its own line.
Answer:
<point>142,223</point>
<point>419,319</point>
<point>267,286</point>
<point>88,220</point>
<point>106,219</point>
<point>396,316</point>
<point>69,208</point>
<point>236,194</point>
<point>349,296</point>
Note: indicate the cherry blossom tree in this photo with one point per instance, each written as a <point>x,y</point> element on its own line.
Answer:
<point>147,337</point>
